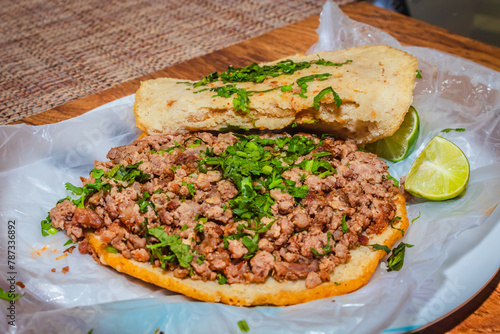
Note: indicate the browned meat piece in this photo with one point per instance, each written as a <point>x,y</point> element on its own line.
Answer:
<point>261,264</point>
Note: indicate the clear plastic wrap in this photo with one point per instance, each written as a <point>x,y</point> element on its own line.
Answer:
<point>37,161</point>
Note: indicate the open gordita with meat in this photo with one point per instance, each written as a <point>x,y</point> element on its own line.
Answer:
<point>248,187</point>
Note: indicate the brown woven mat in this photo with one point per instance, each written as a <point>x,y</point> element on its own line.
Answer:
<point>52,52</point>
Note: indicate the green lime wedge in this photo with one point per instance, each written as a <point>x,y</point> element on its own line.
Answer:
<point>399,145</point>
<point>440,172</point>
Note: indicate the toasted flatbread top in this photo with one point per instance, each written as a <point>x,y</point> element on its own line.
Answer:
<point>374,83</point>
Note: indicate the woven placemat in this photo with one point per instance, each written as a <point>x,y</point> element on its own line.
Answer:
<point>52,52</point>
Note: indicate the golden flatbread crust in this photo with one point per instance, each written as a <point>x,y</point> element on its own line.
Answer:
<point>376,89</point>
<point>346,277</point>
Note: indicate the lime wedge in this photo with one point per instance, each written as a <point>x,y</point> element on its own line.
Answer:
<point>440,172</point>
<point>399,145</point>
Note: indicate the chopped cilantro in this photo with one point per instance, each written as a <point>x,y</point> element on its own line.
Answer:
<point>199,228</point>
<point>321,61</point>
<point>111,249</point>
<point>221,279</point>
<point>378,247</point>
<point>252,164</point>
<point>302,82</point>
<point>9,296</point>
<point>74,189</point>
<point>327,249</point>
<point>47,226</point>
<point>232,128</point>
<point>252,244</point>
<point>242,324</point>
<point>241,102</point>
<point>321,154</point>
<point>310,121</point>
<point>315,252</point>
<point>419,75</point>
<point>396,260</point>
<point>323,93</point>
<point>144,202</point>
<point>393,220</point>
<point>200,259</point>
<point>419,214</point>
<point>256,73</point>
<point>172,244</point>
<point>128,174</point>
<point>395,182</point>
<point>192,190</point>
<point>345,228</point>
<point>452,129</point>
<point>64,199</point>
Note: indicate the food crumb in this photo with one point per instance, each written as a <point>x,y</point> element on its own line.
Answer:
<point>62,256</point>
<point>69,250</point>
<point>53,270</point>
<point>64,270</point>
<point>333,300</point>
<point>20,284</point>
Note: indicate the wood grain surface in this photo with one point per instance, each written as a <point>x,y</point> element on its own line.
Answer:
<point>481,313</point>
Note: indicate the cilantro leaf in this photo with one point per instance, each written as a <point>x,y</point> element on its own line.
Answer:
<point>302,82</point>
<point>378,247</point>
<point>192,190</point>
<point>396,260</point>
<point>419,214</point>
<point>393,220</point>
<point>242,324</point>
<point>252,244</point>
<point>144,202</point>
<point>324,62</point>
<point>171,243</point>
<point>232,128</point>
<point>221,279</point>
<point>394,180</point>
<point>345,228</point>
<point>46,226</point>
<point>451,129</point>
<point>111,249</point>
<point>128,174</point>
<point>74,189</point>
<point>323,93</point>
<point>9,296</point>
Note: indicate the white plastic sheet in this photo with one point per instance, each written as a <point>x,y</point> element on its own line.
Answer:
<point>37,161</point>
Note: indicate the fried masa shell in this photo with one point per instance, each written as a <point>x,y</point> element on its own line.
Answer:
<point>345,278</point>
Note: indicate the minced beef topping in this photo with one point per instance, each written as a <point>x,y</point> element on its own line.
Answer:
<point>236,208</point>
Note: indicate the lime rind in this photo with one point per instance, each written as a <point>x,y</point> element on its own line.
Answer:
<point>398,146</point>
<point>440,172</point>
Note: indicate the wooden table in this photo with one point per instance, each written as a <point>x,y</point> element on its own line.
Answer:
<point>479,315</point>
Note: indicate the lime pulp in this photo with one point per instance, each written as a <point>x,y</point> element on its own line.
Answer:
<point>440,172</point>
